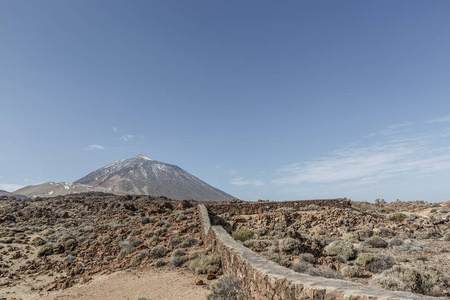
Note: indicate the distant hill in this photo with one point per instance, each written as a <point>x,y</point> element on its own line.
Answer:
<point>138,175</point>
<point>5,193</point>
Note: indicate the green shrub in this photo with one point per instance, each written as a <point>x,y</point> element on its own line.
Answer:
<point>205,264</point>
<point>408,279</point>
<point>243,234</point>
<point>396,217</point>
<point>228,288</point>
<point>158,252</point>
<point>343,248</point>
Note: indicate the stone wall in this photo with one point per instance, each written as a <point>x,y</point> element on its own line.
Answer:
<point>267,280</point>
<point>246,208</point>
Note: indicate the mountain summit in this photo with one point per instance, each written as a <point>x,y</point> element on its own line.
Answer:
<point>138,175</point>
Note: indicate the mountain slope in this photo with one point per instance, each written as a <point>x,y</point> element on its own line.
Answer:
<point>49,189</point>
<point>4,193</point>
<point>141,175</point>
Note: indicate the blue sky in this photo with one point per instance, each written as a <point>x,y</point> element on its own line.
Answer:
<point>276,100</point>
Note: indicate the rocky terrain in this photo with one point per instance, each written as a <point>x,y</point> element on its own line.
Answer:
<point>138,175</point>
<point>397,246</point>
<point>49,244</point>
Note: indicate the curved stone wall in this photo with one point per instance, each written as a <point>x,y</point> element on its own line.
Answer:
<point>265,279</point>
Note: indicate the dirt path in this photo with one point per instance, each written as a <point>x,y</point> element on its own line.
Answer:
<point>151,283</point>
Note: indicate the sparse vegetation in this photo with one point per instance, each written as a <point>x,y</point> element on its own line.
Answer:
<point>396,217</point>
<point>403,278</point>
<point>343,248</point>
<point>158,252</point>
<point>228,288</point>
<point>205,264</point>
<point>243,234</point>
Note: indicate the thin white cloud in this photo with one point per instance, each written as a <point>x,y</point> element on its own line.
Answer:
<point>95,147</point>
<point>232,172</point>
<point>126,138</point>
<point>218,166</point>
<point>243,181</point>
<point>363,165</point>
<point>10,187</point>
<point>114,129</point>
<point>440,119</point>
<point>391,130</point>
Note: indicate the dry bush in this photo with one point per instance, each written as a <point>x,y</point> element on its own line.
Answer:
<point>375,262</point>
<point>351,237</point>
<point>376,242</point>
<point>446,236</point>
<point>243,234</point>
<point>324,272</point>
<point>396,217</point>
<point>175,241</point>
<point>406,245</point>
<point>301,267</point>
<point>158,252</point>
<point>189,242</point>
<point>289,245</point>
<point>205,264</point>
<point>178,258</point>
<point>343,248</point>
<point>277,259</point>
<point>352,271</point>
<point>307,257</point>
<point>228,288</point>
<point>408,279</point>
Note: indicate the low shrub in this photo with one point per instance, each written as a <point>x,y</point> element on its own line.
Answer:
<point>136,260</point>
<point>189,242</point>
<point>446,236</point>
<point>205,264</point>
<point>307,257</point>
<point>178,258</point>
<point>396,217</point>
<point>408,279</point>
<point>289,245</point>
<point>160,263</point>
<point>175,241</point>
<point>352,271</point>
<point>351,237</point>
<point>158,252</point>
<point>343,248</point>
<point>324,272</point>
<point>375,262</point>
<point>301,267</point>
<point>277,259</point>
<point>243,234</point>
<point>228,288</point>
<point>45,250</point>
<point>376,242</point>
